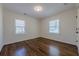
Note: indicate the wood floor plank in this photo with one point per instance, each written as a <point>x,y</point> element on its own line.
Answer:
<point>39,47</point>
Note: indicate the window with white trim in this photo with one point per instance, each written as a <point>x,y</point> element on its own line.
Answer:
<point>54,26</point>
<point>20,26</point>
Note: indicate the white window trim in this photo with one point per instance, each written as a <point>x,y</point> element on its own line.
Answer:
<point>58,27</point>
<point>24,27</point>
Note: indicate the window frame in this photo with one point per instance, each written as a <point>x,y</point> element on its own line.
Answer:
<point>58,26</point>
<point>20,26</point>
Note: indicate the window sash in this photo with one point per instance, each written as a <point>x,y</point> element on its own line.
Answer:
<point>54,26</point>
<point>20,26</point>
<point>20,29</point>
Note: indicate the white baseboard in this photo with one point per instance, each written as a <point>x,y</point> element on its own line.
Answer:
<point>1,48</point>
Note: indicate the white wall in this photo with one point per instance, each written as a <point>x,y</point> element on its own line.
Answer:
<point>9,27</point>
<point>39,28</point>
<point>78,29</point>
<point>1,28</point>
<point>67,27</point>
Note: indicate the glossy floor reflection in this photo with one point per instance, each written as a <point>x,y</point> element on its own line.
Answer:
<point>39,47</point>
<point>20,52</point>
<point>54,51</point>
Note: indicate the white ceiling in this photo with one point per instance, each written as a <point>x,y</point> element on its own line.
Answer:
<point>48,8</point>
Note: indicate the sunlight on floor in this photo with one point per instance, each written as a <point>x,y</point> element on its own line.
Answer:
<point>54,51</point>
<point>20,52</point>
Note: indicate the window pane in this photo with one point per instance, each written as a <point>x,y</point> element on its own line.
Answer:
<point>20,26</point>
<point>54,26</point>
<point>20,23</point>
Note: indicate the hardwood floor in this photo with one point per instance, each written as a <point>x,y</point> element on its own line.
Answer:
<point>39,47</point>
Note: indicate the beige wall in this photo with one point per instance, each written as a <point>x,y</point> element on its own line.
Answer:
<point>9,27</point>
<point>67,27</point>
<point>1,28</point>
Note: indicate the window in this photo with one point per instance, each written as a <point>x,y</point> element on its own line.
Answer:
<point>54,26</point>
<point>20,26</point>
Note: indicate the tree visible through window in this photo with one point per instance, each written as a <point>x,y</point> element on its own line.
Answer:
<point>54,26</point>
<point>20,26</point>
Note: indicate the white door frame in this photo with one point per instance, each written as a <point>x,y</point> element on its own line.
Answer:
<point>77,29</point>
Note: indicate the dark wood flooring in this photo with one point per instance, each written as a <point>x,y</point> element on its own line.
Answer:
<point>39,47</point>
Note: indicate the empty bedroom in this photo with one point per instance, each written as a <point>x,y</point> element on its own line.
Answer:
<point>39,29</point>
